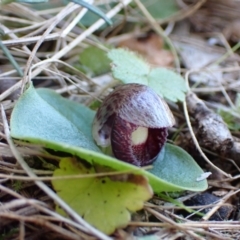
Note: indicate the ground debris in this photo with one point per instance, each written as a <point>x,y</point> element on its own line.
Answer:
<point>207,198</point>
<point>212,131</point>
<point>5,85</point>
<point>214,15</point>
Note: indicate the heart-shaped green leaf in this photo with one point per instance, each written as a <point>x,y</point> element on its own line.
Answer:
<point>43,116</point>
<point>128,67</point>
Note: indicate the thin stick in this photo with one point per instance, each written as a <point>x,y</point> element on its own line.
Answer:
<point>79,176</point>
<point>160,31</point>
<point>29,40</point>
<point>170,221</point>
<point>75,21</point>
<point>42,207</point>
<point>216,225</point>
<point>69,9</point>
<point>42,222</point>
<point>194,137</point>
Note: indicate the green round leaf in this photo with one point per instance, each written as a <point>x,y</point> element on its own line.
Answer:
<point>95,60</point>
<point>44,117</point>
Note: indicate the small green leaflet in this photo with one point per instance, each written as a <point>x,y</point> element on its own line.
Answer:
<point>128,67</point>
<point>95,60</point>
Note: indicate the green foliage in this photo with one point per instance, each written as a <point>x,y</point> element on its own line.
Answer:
<point>168,83</point>
<point>98,198</point>
<point>95,105</point>
<point>95,60</point>
<point>229,117</point>
<point>17,185</point>
<point>9,55</point>
<point>160,9</point>
<point>179,204</point>
<point>128,67</point>
<point>93,9</point>
<point>9,234</point>
<point>90,18</point>
<point>230,120</point>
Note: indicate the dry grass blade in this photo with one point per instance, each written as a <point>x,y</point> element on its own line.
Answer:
<point>159,30</point>
<point>86,33</point>
<point>34,207</point>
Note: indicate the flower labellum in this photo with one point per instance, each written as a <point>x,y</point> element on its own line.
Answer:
<point>133,121</point>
